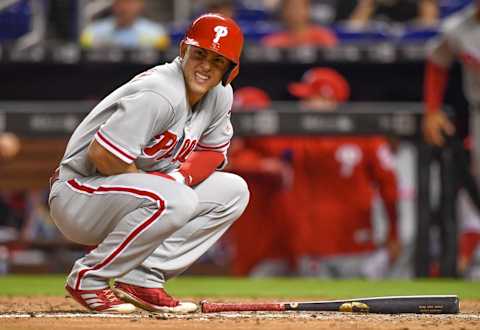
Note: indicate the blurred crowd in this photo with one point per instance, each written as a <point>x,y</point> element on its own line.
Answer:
<point>315,202</point>
<point>276,23</point>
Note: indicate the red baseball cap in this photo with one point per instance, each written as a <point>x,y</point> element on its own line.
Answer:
<point>323,82</point>
<point>251,98</point>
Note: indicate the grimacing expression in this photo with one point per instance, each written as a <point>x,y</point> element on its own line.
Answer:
<point>202,69</point>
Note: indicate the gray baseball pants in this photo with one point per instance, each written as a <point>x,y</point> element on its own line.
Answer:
<point>146,228</point>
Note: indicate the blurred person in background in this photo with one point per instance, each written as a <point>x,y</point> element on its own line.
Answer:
<point>226,8</point>
<point>126,28</point>
<point>459,39</point>
<point>363,13</point>
<point>268,178</point>
<point>298,28</point>
<point>337,178</point>
<point>320,222</point>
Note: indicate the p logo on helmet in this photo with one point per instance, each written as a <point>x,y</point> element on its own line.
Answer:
<point>220,35</point>
<point>221,31</point>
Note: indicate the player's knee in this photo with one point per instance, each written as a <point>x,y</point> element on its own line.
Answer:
<point>240,195</point>
<point>183,208</point>
<point>241,190</point>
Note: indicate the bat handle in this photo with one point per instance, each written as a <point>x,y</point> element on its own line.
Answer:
<point>207,307</point>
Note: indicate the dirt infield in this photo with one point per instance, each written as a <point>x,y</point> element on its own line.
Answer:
<point>52,313</point>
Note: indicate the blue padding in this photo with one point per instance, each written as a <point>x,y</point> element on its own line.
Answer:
<point>413,34</point>
<point>346,34</point>
<point>15,20</point>
<point>177,32</point>
<point>251,15</point>
<point>256,31</point>
<point>253,31</point>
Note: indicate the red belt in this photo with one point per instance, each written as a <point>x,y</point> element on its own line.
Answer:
<point>54,177</point>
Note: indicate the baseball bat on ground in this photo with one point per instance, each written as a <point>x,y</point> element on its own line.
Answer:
<point>436,304</point>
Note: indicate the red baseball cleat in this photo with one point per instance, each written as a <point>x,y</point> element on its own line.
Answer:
<point>152,299</point>
<point>101,301</point>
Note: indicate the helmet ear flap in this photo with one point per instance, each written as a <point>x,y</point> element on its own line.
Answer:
<point>226,76</point>
<point>230,74</point>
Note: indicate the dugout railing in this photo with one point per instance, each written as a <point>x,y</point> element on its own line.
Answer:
<point>58,119</point>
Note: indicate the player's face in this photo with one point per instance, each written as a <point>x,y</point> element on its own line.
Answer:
<point>202,69</point>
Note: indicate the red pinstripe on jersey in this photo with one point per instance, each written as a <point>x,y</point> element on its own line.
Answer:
<point>203,146</point>
<point>137,231</point>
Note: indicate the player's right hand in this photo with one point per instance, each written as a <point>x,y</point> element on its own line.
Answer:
<point>394,248</point>
<point>435,125</point>
<point>9,145</point>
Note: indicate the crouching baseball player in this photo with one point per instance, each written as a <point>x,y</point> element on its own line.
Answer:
<point>138,179</point>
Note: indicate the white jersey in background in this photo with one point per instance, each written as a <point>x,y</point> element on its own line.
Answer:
<point>460,39</point>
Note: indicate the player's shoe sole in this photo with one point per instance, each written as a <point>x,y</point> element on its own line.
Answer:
<point>181,308</point>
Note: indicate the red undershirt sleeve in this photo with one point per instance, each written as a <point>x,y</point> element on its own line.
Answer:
<point>436,77</point>
<point>200,165</point>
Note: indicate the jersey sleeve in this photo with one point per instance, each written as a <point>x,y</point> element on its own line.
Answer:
<point>442,50</point>
<point>218,134</point>
<point>137,118</point>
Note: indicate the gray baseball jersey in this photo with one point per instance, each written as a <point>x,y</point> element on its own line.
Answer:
<point>148,121</point>
<point>147,228</point>
<point>460,38</point>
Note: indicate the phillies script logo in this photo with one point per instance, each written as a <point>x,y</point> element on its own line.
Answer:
<point>220,32</point>
<point>185,150</point>
<point>162,146</point>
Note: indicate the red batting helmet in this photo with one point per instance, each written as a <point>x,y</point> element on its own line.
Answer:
<point>323,82</point>
<point>220,35</point>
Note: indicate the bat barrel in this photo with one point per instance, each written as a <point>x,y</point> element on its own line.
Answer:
<point>417,305</point>
<point>385,305</point>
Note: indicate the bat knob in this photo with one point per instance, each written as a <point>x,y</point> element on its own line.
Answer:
<point>202,303</point>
